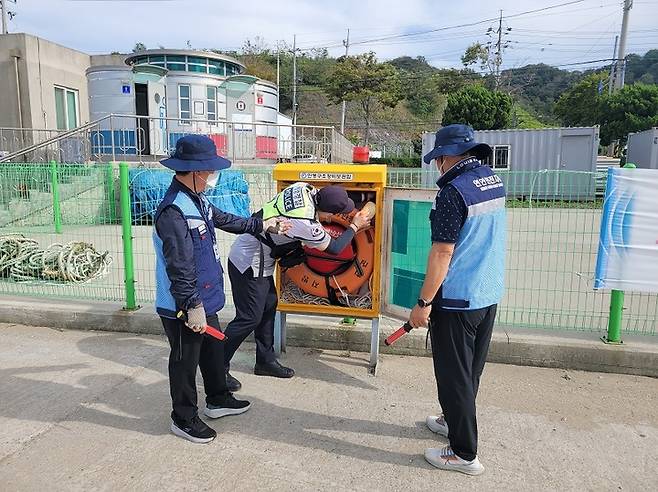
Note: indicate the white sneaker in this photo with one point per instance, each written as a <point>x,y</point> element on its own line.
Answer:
<point>446,459</point>
<point>437,425</point>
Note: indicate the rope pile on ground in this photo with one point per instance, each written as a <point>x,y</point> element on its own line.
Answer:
<point>21,259</point>
<point>292,294</point>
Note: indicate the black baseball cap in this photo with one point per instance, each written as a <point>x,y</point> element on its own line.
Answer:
<point>334,199</point>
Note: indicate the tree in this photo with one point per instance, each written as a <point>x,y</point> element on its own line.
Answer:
<point>139,47</point>
<point>479,107</point>
<point>371,84</point>
<point>476,54</point>
<point>539,86</point>
<point>412,65</point>
<point>581,104</point>
<point>632,109</point>
<point>256,56</point>
<point>642,69</point>
<point>424,99</point>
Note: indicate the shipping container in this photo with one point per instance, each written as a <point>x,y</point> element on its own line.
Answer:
<point>643,149</point>
<point>533,162</point>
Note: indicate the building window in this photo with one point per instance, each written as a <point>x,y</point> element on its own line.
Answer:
<point>216,67</point>
<point>158,60</point>
<point>176,62</point>
<point>184,106</point>
<point>499,158</point>
<point>232,69</point>
<point>212,104</point>
<point>66,108</point>
<point>197,64</point>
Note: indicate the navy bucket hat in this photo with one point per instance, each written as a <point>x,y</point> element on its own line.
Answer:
<point>196,153</point>
<point>457,140</point>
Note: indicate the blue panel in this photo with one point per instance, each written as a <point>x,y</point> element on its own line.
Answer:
<point>148,187</point>
<point>124,142</point>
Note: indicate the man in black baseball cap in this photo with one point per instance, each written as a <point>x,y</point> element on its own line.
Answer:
<point>334,199</point>
<point>253,257</point>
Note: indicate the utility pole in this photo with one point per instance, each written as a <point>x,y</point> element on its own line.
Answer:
<point>613,67</point>
<point>499,49</point>
<point>346,43</point>
<point>621,54</point>
<point>294,79</point>
<point>278,75</point>
<point>3,4</point>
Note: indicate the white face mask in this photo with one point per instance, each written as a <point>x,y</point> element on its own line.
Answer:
<point>439,165</point>
<point>212,180</point>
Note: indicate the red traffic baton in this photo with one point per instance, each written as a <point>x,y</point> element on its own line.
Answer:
<point>397,334</point>
<point>213,332</point>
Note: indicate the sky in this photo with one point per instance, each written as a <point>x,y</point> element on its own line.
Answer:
<point>575,32</point>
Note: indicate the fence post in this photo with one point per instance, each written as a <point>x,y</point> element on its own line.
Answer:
<point>127,234</point>
<point>54,184</point>
<point>614,321</point>
<point>111,193</point>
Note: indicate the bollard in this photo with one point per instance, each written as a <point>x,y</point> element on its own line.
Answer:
<point>126,226</point>
<point>57,207</point>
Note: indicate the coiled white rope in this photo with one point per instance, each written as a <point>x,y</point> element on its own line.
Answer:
<point>292,294</point>
<point>21,259</point>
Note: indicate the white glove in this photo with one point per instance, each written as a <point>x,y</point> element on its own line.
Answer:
<point>196,319</point>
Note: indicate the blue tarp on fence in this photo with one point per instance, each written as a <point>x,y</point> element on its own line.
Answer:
<point>148,187</point>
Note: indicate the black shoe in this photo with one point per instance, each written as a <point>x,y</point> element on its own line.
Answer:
<point>232,384</point>
<point>225,405</point>
<point>273,369</point>
<point>196,430</point>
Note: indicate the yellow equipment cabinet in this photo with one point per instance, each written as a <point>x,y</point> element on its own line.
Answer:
<point>347,285</point>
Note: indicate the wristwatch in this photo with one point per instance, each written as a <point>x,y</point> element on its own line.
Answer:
<point>423,303</point>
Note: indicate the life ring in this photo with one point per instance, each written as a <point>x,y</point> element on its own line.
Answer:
<point>349,280</point>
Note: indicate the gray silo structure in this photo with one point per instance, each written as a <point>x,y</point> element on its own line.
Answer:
<point>177,92</point>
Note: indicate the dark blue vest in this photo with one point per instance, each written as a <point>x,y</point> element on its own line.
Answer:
<point>476,275</point>
<point>210,276</point>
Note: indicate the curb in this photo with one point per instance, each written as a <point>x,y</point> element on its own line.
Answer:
<point>580,351</point>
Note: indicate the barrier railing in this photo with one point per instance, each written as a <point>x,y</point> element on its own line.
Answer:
<point>147,140</point>
<point>14,139</point>
<point>552,241</point>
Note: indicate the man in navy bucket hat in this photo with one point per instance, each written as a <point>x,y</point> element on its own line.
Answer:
<point>190,284</point>
<point>462,287</point>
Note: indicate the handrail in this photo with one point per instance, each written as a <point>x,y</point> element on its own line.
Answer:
<point>52,140</point>
<point>217,122</point>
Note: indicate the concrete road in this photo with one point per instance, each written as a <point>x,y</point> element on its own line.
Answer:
<point>89,411</point>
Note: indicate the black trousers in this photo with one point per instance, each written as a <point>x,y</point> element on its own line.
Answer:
<point>190,350</point>
<point>255,303</point>
<point>460,342</point>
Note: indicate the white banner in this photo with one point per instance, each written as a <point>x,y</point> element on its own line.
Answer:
<point>628,244</point>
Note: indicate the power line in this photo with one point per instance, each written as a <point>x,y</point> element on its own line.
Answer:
<point>458,26</point>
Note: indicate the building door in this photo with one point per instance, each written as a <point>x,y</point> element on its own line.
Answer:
<point>578,182</point>
<point>576,153</point>
<point>157,110</point>
<point>142,109</point>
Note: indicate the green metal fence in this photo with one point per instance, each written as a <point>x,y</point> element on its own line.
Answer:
<point>553,231</point>
<point>553,227</point>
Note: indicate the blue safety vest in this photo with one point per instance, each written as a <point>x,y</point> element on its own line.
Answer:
<point>210,276</point>
<point>476,275</point>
